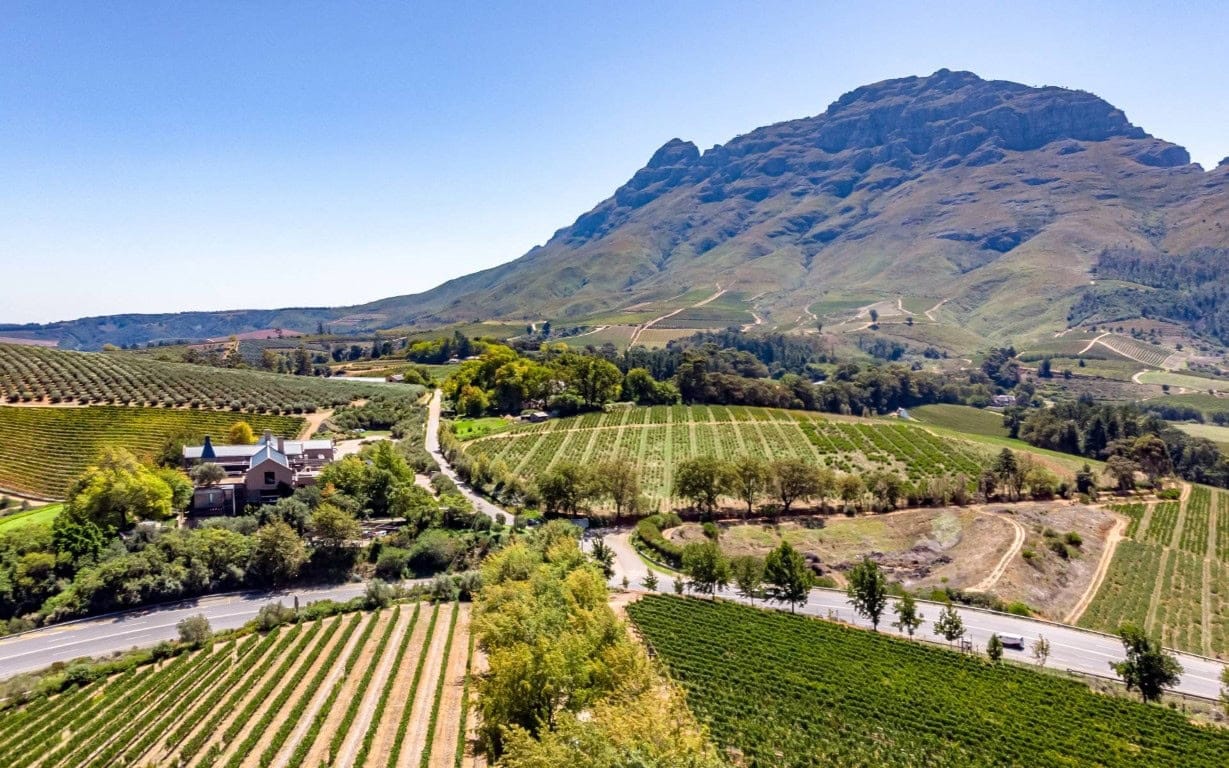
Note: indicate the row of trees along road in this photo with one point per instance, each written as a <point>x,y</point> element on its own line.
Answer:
<point>784,576</point>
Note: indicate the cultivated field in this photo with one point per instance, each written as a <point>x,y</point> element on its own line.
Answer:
<point>43,449</point>
<point>660,437</point>
<point>38,375</point>
<point>1171,575</point>
<point>367,689</point>
<point>1154,355</point>
<point>962,418</point>
<point>817,693</point>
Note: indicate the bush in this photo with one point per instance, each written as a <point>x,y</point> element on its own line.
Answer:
<point>195,631</point>
<point>379,594</point>
<point>392,563</point>
<point>444,589</point>
<point>1074,539</point>
<point>1060,549</point>
<point>648,532</point>
<point>272,616</point>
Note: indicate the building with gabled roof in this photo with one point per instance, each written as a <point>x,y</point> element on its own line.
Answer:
<point>256,474</point>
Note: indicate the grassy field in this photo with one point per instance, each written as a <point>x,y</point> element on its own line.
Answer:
<point>1205,403</point>
<point>659,438</point>
<point>43,449</point>
<point>1216,434</point>
<point>962,418</point>
<point>1186,381</point>
<point>784,691</point>
<point>38,516</point>
<point>1171,575</point>
<point>38,374</point>
<point>371,690</point>
<point>470,429</point>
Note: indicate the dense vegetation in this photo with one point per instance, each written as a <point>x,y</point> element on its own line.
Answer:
<point>566,684</point>
<point>43,449</point>
<point>862,698</point>
<point>36,374</point>
<point>1188,288</point>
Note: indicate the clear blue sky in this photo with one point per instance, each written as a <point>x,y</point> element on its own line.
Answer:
<point>181,155</point>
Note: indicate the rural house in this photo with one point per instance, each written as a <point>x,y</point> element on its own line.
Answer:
<point>255,474</point>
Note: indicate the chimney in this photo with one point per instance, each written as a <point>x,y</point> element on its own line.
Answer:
<point>267,438</point>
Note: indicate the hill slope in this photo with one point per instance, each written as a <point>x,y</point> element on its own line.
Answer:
<point>994,196</point>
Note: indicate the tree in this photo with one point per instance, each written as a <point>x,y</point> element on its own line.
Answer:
<point>874,316</point>
<point>1122,470</point>
<point>195,631</point>
<point>278,553</point>
<point>650,581</point>
<point>333,527</point>
<point>1086,481</point>
<point>747,572</point>
<point>994,648</point>
<point>1150,452</point>
<point>1007,472</point>
<point>604,556</point>
<point>908,617</point>
<point>565,489</point>
<point>1040,650</point>
<point>1147,668</point>
<point>850,488</point>
<point>706,567</point>
<point>117,491</point>
<point>207,474</point>
<point>619,481</point>
<point>414,504</point>
<point>868,590</point>
<point>787,576</point>
<point>596,380</point>
<point>702,481</point>
<point>749,479</point>
<point>240,433</point>
<point>1224,690</point>
<point>949,625</point>
<point>794,480</point>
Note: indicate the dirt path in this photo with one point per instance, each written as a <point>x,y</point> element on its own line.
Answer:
<point>282,759</point>
<point>1154,602</point>
<point>641,329</point>
<point>1017,543</point>
<point>444,746</point>
<point>420,714</point>
<point>930,312</point>
<point>1107,556</point>
<point>382,747</point>
<point>313,422</point>
<point>371,698</point>
<point>301,680</point>
<point>319,753</point>
<point>1091,344</point>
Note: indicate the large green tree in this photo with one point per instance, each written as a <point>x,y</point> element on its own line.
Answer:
<point>786,576</point>
<point>707,569</point>
<point>278,554</point>
<point>868,590</point>
<point>749,477</point>
<point>118,491</point>
<point>702,480</point>
<point>1147,667</point>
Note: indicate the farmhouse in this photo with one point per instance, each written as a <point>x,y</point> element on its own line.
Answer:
<point>1004,401</point>
<point>255,474</point>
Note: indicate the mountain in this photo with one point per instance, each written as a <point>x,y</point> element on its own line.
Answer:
<point>992,197</point>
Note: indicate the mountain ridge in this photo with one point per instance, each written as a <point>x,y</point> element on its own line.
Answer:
<point>944,186</point>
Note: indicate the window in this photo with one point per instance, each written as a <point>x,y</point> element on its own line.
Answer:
<point>270,479</point>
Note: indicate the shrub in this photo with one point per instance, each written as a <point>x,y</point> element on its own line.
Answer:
<point>272,616</point>
<point>648,532</point>
<point>195,631</point>
<point>1074,539</point>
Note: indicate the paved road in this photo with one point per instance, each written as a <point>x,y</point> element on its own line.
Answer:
<point>480,502</point>
<point>1070,648</point>
<point>144,627</point>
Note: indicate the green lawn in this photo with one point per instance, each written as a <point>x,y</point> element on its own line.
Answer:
<point>1217,434</point>
<point>37,516</point>
<point>471,429</point>
<point>962,418</point>
<point>1197,383</point>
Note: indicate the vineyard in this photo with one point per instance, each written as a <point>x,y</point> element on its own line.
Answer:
<point>41,375</point>
<point>1171,574</point>
<point>373,690</point>
<point>43,449</point>
<point>1139,351</point>
<point>660,437</point>
<point>818,693</point>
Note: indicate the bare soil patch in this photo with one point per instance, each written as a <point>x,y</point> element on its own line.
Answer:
<point>404,677</point>
<point>444,746</point>
<point>420,717</point>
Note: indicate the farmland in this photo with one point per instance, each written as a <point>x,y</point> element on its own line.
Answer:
<point>38,516</point>
<point>659,437</point>
<point>43,449</point>
<point>364,689</point>
<point>35,375</point>
<point>962,418</point>
<point>863,698</point>
<point>1171,575</point>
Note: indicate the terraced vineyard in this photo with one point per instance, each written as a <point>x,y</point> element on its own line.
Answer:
<point>43,449</point>
<point>1139,351</point>
<point>38,374</point>
<point>1171,575</point>
<point>372,690</point>
<point>857,698</point>
<point>660,437</point>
